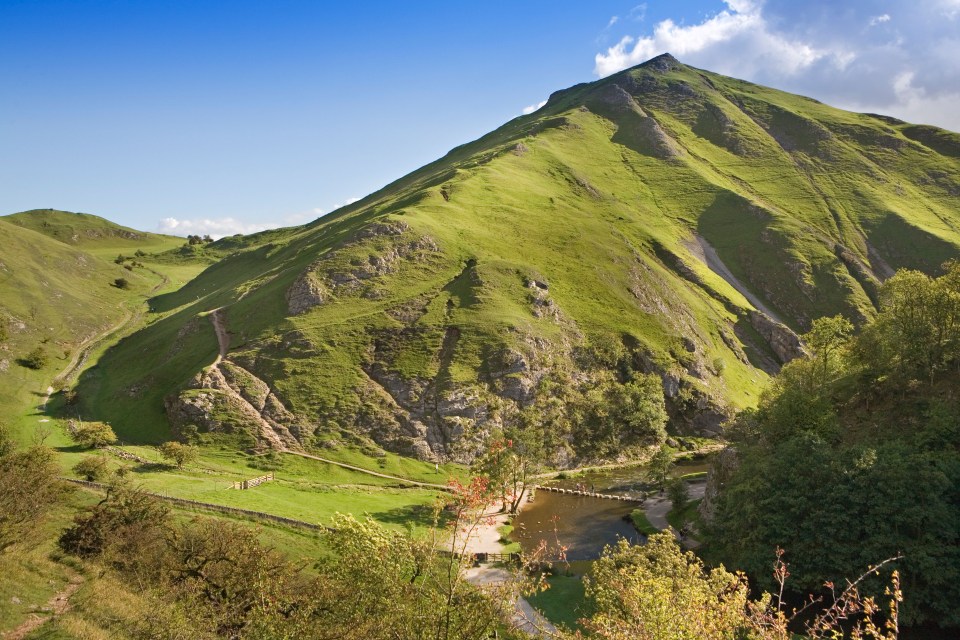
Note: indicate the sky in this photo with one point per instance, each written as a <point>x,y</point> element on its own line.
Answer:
<point>231,117</point>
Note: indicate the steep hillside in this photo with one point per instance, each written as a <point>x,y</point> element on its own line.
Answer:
<point>664,220</point>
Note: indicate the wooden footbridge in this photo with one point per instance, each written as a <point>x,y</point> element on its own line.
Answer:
<point>588,494</point>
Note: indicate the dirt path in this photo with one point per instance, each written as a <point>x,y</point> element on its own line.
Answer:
<point>56,606</point>
<point>708,255</point>
<point>223,338</point>
<point>526,619</point>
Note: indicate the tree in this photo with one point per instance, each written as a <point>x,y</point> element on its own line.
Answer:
<point>125,517</point>
<point>29,487</point>
<point>91,468</point>
<point>121,283</point>
<point>36,359</point>
<point>827,338</point>
<point>615,416</point>
<point>179,454</point>
<point>92,434</point>
<point>657,591</point>
<point>660,465</point>
<point>678,492</point>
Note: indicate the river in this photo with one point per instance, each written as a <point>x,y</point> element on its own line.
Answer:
<point>584,525</point>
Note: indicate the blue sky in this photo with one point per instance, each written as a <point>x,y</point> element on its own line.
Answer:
<point>224,117</point>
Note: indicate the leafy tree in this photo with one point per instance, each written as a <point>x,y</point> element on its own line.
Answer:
<point>660,465</point>
<point>124,518</point>
<point>615,416</point>
<point>849,458</point>
<point>509,463</point>
<point>121,283</point>
<point>657,591</point>
<point>36,359</point>
<point>91,468</point>
<point>29,487</point>
<point>678,492</point>
<point>179,454</point>
<point>92,434</point>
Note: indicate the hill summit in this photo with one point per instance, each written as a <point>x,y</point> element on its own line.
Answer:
<point>663,223</point>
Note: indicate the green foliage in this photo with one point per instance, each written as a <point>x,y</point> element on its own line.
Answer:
<point>36,359</point>
<point>660,465</point>
<point>92,434</point>
<point>29,487</point>
<point>678,492</point>
<point>657,591</point>
<point>615,416</point>
<point>127,518</point>
<point>850,459</point>
<point>121,283</point>
<point>179,454</point>
<point>92,468</point>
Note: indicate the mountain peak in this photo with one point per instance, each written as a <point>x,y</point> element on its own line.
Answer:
<point>662,62</point>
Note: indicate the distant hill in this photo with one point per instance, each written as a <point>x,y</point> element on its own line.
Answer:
<point>663,220</point>
<point>83,229</point>
<point>59,278</point>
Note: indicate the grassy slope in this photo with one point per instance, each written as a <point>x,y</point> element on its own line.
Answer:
<point>777,183</point>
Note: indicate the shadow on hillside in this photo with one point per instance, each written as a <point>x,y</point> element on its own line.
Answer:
<point>417,515</point>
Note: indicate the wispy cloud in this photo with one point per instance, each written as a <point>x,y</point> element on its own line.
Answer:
<point>613,21</point>
<point>875,20</point>
<point>227,226</point>
<point>215,227</point>
<point>533,107</point>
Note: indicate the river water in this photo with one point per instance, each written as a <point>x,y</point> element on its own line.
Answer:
<point>584,525</point>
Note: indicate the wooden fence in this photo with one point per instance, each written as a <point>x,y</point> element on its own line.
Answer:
<point>253,482</point>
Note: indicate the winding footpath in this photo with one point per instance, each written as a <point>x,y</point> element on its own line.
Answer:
<point>56,606</point>
<point>223,343</point>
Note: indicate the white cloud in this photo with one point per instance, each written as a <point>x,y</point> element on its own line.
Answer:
<point>227,226</point>
<point>822,49</point>
<point>533,107</point>
<point>215,227</point>
<point>613,21</point>
<point>741,22</point>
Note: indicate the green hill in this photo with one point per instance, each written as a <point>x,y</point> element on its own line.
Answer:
<point>88,231</point>
<point>57,299</point>
<point>665,220</point>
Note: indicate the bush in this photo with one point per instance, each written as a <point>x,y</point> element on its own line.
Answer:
<point>92,434</point>
<point>28,488</point>
<point>178,454</point>
<point>121,283</point>
<point>36,359</point>
<point>91,468</point>
<point>678,492</point>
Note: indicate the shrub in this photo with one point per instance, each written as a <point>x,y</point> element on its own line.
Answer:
<point>178,454</point>
<point>121,283</point>
<point>678,492</point>
<point>36,359</point>
<point>91,468</point>
<point>92,434</point>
